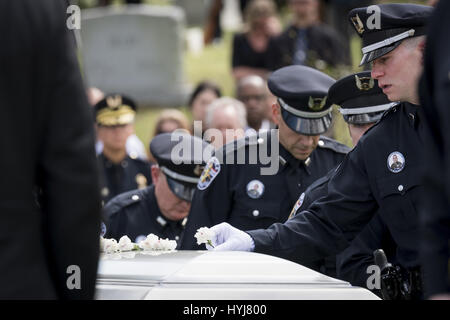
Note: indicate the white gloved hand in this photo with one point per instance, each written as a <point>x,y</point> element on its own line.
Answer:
<point>229,238</point>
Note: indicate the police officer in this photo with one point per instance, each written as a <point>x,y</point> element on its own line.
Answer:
<point>361,103</point>
<point>115,123</point>
<point>163,207</point>
<point>435,94</point>
<point>242,194</point>
<point>364,182</point>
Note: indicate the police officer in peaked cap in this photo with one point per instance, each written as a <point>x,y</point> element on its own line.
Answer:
<point>239,193</point>
<point>162,208</point>
<point>121,172</point>
<point>365,183</point>
<point>361,103</point>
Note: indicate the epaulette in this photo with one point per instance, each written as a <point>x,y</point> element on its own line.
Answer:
<point>389,111</point>
<point>239,144</point>
<point>135,158</point>
<point>123,200</point>
<point>385,114</point>
<point>328,143</point>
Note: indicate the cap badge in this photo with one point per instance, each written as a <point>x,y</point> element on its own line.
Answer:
<point>198,170</point>
<point>141,181</point>
<point>255,189</point>
<point>114,102</point>
<point>316,104</point>
<point>297,205</point>
<point>396,162</point>
<point>211,170</point>
<point>364,83</point>
<point>359,26</point>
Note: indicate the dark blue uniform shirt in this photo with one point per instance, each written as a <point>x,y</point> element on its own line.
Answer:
<point>136,213</point>
<point>362,185</point>
<point>227,197</point>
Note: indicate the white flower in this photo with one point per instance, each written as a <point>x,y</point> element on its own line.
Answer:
<point>168,245</point>
<point>125,244</point>
<point>153,243</point>
<point>110,245</point>
<point>204,235</point>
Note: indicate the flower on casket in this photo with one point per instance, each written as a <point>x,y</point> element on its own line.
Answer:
<point>205,235</point>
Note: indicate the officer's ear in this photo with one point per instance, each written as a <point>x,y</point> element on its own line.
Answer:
<point>155,171</point>
<point>276,113</point>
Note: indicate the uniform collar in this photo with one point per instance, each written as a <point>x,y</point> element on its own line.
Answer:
<point>286,158</point>
<point>414,113</point>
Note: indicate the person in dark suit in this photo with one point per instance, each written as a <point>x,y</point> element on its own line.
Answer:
<point>49,199</point>
<point>434,92</point>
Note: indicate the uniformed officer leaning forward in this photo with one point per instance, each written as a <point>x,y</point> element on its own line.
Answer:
<point>361,103</point>
<point>115,123</point>
<point>365,182</point>
<point>239,193</point>
<point>163,207</point>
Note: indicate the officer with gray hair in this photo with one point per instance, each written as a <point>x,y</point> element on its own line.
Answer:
<point>225,121</point>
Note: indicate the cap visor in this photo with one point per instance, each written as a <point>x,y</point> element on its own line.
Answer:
<point>375,54</point>
<point>183,191</point>
<point>307,126</point>
<point>364,118</point>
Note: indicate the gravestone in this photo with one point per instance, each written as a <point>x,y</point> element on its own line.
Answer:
<point>136,50</point>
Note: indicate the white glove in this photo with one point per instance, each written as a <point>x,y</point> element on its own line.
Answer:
<point>229,238</point>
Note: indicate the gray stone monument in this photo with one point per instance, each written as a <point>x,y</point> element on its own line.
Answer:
<point>136,50</point>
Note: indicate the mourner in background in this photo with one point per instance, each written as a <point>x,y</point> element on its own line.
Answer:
<point>120,171</point>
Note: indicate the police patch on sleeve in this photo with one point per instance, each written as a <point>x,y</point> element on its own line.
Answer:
<point>255,189</point>
<point>297,205</point>
<point>102,229</point>
<point>396,162</point>
<point>211,170</point>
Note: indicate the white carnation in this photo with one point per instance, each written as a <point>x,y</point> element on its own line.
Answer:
<point>110,245</point>
<point>154,243</point>
<point>168,244</point>
<point>125,244</point>
<point>204,235</point>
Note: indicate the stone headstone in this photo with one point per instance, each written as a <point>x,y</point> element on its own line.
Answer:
<point>136,50</point>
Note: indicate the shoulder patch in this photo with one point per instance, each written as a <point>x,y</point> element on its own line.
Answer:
<point>297,205</point>
<point>211,170</point>
<point>328,143</point>
<point>236,145</point>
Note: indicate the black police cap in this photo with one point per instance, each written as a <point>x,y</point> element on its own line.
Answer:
<point>360,98</point>
<point>115,109</point>
<point>397,22</point>
<point>302,93</point>
<point>181,157</point>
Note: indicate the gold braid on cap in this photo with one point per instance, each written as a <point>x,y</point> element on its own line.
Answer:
<point>116,116</point>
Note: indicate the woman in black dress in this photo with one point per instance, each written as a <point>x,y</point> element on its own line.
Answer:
<point>250,47</point>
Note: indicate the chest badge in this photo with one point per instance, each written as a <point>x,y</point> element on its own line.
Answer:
<point>255,189</point>
<point>396,162</point>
